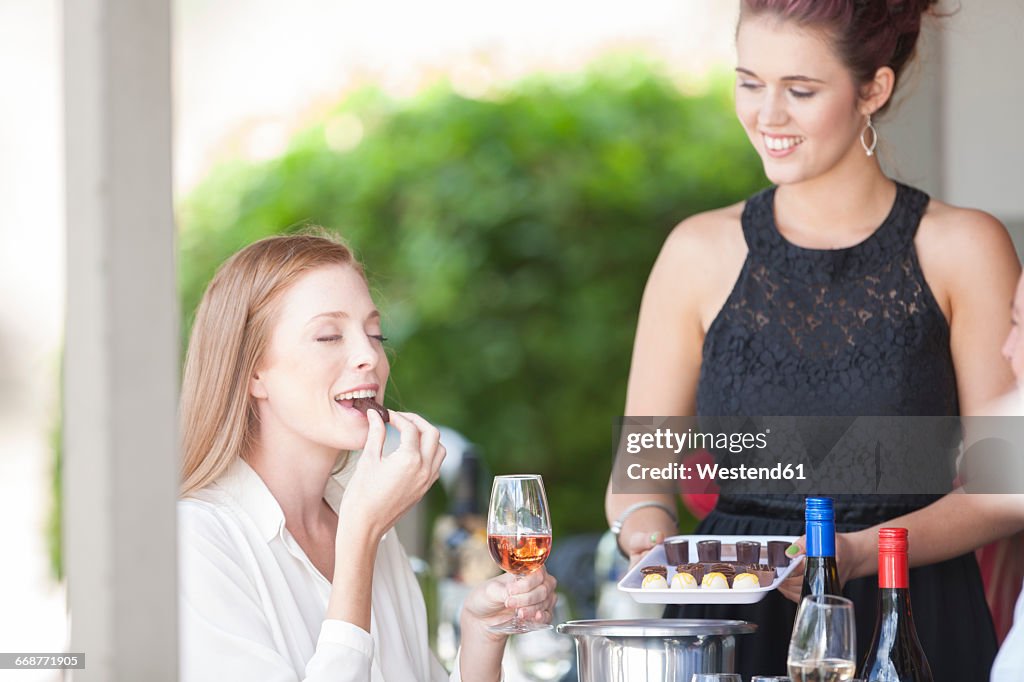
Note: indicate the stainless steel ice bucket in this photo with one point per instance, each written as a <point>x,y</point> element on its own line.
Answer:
<point>666,650</point>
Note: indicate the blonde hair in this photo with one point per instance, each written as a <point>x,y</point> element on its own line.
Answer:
<point>229,336</point>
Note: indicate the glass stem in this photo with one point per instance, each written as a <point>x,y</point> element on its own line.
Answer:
<point>515,613</point>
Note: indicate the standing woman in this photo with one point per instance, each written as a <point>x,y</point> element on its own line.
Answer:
<point>837,291</point>
<point>289,565</point>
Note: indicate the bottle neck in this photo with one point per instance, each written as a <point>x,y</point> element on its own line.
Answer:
<point>893,571</point>
<point>821,538</point>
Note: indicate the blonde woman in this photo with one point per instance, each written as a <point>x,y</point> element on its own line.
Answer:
<point>290,569</point>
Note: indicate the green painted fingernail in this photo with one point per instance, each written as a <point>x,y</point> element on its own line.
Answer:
<point>793,550</point>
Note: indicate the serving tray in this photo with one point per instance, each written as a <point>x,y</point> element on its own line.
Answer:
<point>630,583</point>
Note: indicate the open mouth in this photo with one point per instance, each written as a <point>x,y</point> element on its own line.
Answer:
<point>781,143</point>
<point>347,398</point>
<point>363,401</point>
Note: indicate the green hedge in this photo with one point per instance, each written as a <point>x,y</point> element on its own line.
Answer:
<point>508,240</point>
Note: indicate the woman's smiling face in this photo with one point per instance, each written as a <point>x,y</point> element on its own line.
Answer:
<point>325,348</point>
<point>796,100</point>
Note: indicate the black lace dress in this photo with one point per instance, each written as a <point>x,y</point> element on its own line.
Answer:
<point>843,332</point>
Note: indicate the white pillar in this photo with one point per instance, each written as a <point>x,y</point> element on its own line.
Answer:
<point>120,376</point>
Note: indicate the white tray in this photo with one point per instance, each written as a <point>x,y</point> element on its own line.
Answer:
<point>630,583</point>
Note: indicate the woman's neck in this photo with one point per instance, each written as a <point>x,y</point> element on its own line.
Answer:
<point>297,478</point>
<point>837,209</point>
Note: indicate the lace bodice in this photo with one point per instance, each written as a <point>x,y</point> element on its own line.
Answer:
<point>853,331</point>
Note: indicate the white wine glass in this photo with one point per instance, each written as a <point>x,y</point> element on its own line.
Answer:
<point>519,535</point>
<point>824,642</point>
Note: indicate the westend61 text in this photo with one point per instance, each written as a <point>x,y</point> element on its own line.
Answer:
<point>714,472</point>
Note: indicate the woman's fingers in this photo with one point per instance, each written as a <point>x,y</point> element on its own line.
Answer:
<point>640,543</point>
<point>430,436</point>
<point>409,434</point>
<point>435,467</point>
<point>375,435</point>
<point>536,591</point>
<point>792,585</point>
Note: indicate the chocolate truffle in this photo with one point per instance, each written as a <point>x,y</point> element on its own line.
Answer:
<point>654,581</point>
<point>364,404</point>
<point>684,581</point>
<point>745,581</point>
<point>715,581</point>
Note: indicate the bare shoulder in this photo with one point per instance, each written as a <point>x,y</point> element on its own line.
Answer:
<point>701,260</point>
<point>705,238</point>
<point>710,228</point>
<point>960,246</point>
<point>951,228</point>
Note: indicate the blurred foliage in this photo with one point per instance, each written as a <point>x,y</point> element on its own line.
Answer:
<point>507,241</point>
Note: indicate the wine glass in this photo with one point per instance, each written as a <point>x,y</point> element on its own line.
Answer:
<point>519,534</point>
<point>824,643</point>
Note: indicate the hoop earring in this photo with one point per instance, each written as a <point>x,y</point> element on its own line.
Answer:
<point>869,150</point>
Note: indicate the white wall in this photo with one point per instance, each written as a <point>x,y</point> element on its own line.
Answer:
<point>983,97</point>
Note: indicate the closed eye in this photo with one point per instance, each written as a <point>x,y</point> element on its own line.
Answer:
<point>328,339</point>
<point>379,337</point>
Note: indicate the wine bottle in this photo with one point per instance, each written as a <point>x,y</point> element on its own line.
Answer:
<point>821,574</point>
<point>895,654</point>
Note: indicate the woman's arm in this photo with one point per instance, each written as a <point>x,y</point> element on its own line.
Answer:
<point>971,266</point>
<point>970,258</point>
<point>493,602</point>
<point>956,524</point>
<point>688,283</point>
<point>381,490</point>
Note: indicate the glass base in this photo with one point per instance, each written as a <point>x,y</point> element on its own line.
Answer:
<point>517,627</point>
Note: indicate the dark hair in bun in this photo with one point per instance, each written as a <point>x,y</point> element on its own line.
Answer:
<point>868,34</point>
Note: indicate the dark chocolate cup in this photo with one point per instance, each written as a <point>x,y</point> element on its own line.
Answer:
<point>777,553</point>
<point>709,551</point>
<point>748,552</point>
<point>677,551</point>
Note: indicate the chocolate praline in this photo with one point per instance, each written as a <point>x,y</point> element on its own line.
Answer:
<point>660,570</point>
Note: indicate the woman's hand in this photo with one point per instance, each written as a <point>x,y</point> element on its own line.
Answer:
<point>644,530</point>
<point>851,555</point>
<point>383,488</point>
<point>638,543</point>
<point>494,602</point>
<point>532,598</point>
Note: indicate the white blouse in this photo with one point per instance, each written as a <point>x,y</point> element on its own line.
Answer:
<point>252,604</point>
